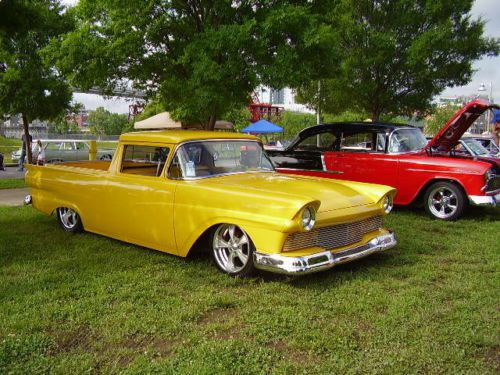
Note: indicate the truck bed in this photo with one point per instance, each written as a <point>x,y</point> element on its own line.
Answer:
<point>102,165</point>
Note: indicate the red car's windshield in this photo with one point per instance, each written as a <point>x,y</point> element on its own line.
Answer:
<point>406,140</point>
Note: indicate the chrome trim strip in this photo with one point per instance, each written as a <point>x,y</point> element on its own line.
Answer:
<point>323,162</point>
<point>321,261</point>
<point>484,200</point>
<point>278,169</point>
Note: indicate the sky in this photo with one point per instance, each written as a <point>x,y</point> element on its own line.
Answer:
<point>487,70</point>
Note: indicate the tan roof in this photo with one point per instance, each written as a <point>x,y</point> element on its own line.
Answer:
<point>178,136</point>
<point>159,121</point>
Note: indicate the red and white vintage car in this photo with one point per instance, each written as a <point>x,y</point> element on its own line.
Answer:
<point>428,172</point>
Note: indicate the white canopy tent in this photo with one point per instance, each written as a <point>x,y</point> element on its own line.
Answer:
<point>164,121</point>
<point>159,121</point>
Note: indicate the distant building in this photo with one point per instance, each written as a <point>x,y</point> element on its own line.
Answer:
<point>283,97</point>
<point>481,125</point>
<point>12,127</point>
<point>81,118</point>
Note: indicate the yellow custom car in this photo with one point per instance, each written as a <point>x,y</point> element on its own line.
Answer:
<point>169,190</point>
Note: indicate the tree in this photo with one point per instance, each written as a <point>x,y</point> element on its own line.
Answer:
<point>28,85</point>
<point>103,122</point>
<point>438,118</point>
<point>200,58</point>
<point>398,54</point>
<point>66,122</point>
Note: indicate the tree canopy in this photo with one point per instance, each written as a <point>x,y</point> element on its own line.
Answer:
<point>398,54</point>
<point>103,122</point>
<point>28,85</point>
<point>201,58</point>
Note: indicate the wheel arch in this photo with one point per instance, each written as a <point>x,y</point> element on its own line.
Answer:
<point>264,239</point>
<point>420,194</point>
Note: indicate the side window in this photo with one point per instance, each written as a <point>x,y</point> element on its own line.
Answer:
<point>53,146</point>
<point>318,142</point>
<point>68,146</point>
<point>81,146</point>
<point>144,160</point>
<point>358,142</point>
<point>381,140</point>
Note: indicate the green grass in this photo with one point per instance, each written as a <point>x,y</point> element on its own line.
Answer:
<point>11,183</point>
<point>86,303</point>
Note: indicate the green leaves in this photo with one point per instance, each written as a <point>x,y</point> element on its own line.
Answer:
<point>30,85</point>
<point>397,55</point>
<point>103,122</point>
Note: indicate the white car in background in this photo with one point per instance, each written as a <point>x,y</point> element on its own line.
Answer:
<point>60,150</point>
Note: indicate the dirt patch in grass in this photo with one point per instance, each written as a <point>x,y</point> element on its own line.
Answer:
<point>492,358</point>
<point>223,316</point>
<point>292,354</point>
<point>82,338</point>
<point>160,346</point>
<point>217,315</point>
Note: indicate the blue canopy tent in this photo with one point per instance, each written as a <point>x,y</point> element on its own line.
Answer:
<point>263,127</point>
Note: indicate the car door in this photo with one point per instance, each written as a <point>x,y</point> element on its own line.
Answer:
<point>53,152</point>
<point>82,151</point>
<point>141,197</point>
<point>67,151</point>
<point>362,156</point>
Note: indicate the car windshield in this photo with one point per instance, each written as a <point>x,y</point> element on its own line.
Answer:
<point>212,158</point>
<point>476,147</point>
<point>406,140</point>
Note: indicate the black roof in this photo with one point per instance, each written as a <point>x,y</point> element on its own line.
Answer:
<point>353,127</point>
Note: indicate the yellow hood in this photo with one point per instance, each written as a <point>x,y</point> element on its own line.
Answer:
<point>331,194</point>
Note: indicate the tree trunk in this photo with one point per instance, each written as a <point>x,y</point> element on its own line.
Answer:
<point>375,115</point>
<point>210,125</point>
<point>27,138</point>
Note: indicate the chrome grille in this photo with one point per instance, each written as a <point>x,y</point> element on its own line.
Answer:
<point>333,236</point>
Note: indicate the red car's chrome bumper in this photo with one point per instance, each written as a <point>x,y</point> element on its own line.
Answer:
<point>485,200</point>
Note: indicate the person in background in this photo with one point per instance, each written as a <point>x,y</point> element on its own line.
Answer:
<point>2,168</point>
<point>496,126</point>
<point>23,151</point>
<point>40,158</point>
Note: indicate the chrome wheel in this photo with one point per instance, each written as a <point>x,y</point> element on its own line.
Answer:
<point>232,249</point>
<point>442,203</point>
<point>68,218</point>
<point>445,200</point>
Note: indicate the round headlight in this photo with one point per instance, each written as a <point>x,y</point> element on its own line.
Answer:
<point>308,218</point>
<point>388,204</point>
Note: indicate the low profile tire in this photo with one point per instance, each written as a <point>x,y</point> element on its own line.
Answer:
<point>232,250</point>
<point>445,201</point>
<point>69,220</point>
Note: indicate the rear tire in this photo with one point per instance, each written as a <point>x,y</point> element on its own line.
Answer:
<point>233,250</point>
<point>445,201</point>
<point>69,220</point>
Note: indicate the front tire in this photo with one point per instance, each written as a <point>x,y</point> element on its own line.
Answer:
<point>69,220</point>
<point>445,201</point>
<point>233,250</point>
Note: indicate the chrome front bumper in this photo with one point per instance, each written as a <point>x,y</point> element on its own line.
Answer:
<point>321,261</point>
<point>484,200</point>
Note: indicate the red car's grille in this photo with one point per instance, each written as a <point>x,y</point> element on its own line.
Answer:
<point>333,236</point>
